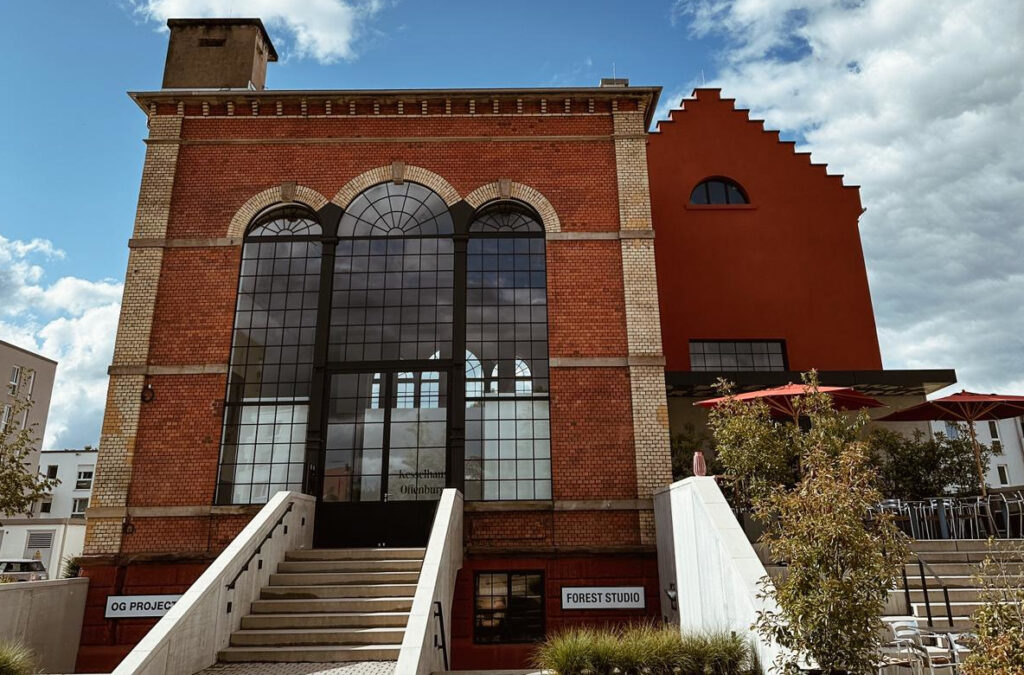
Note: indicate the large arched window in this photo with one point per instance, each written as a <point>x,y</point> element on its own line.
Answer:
<point>508,447</point>
<point>267,404</point>
<point>718,191</point>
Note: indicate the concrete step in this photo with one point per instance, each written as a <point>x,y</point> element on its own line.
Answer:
<point>355,554</point>
<point>936,595</point>
<point>338,591</point>
<point>956,568</point>
<point>317,636</point>
<point>308,566</point>
<point>332,605</point>
<point>950,580</point>
<point>923,545</point>
<point>332,578</point>
<point>960,609</point>
<point>336,620</point>
<point>975,556</point>
<point>939,624</point>
<point>311,654</point>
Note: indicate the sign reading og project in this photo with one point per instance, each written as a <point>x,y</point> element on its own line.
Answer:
<point>135,606</point>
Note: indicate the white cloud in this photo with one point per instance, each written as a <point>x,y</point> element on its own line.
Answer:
<point>72,321</point>
<point>325,30</point>
<point>920,102</point>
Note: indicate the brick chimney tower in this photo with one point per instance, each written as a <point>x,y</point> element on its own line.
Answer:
<point>217,54</point>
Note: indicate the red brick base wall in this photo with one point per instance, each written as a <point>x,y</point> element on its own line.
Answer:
<point>597,570</point>
<point>106,641</point>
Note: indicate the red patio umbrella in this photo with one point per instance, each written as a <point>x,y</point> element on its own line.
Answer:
<point>781,399</point>
<point>966,407</point>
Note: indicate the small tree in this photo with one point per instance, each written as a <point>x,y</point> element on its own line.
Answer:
<point>815,488</point>
<point>998,645</point>
<point>919,467</point>
<point>756,453</point>
<point>19,487</point>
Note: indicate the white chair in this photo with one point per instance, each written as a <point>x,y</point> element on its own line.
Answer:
<point>934,650</point>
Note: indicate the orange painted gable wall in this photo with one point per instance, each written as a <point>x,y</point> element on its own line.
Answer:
<point>788,266</point>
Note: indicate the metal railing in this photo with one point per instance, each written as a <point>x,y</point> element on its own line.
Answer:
<point>922,566</point>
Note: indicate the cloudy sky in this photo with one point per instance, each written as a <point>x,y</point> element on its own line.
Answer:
<point>920,102</point>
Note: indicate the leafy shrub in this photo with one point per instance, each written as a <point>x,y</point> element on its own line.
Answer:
<point>644,648</point>
<point>919,467</point>
<point>16,659</point>
<point>998,645</point>
<point>71,567</point>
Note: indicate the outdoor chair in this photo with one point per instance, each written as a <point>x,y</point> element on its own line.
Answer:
<point>900,513</point>
<point>1013,513</point>
<point>936,651</point>
<point>966,518</point>
<point>897,655</point>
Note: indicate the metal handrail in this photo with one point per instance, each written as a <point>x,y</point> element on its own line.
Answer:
<point>270,534</point>
<point>443,646</point>
<point>921,567</point>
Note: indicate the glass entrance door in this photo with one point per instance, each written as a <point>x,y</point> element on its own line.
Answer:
<point>384,459</point>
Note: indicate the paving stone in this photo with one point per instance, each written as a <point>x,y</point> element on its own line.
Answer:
<point>361,668</point>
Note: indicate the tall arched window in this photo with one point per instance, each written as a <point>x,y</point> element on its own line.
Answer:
<point>392,304</point>
<point>267,403</point>
<point>508,447</point>
<point>718,191</point>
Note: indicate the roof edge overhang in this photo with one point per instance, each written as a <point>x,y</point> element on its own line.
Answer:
<point>649,95</point>
<point>694,384</point>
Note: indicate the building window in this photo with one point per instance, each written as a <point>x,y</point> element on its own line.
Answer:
<point>45,507</point>
<point>5,418</point>
<point>263,445</point>
<point>508,607</point>
<point>508,446</point>
<point>78,507</point>
<point>718,191</point>
<point>952,431</point>
<point>993,432</point>
<point>12,387</point>
<point>84,478</point>
<point>31,382</point>
<point>51,471</point>
<point>1004,476</point>
<point>735,355</point>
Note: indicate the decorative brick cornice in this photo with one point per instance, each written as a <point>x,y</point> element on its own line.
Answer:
<point>243,104</point>
<point>192,369</point>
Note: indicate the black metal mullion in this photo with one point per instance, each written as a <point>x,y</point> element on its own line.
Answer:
<point>455,457</point>
<point>389,381</point>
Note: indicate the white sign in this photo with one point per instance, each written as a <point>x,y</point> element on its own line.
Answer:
<point>133,606</point>
<point>603,597</point>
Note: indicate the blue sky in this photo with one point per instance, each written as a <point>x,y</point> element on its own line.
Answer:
<point>917,101</point>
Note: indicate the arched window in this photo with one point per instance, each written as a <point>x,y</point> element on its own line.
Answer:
<point>508,447</point>
<point>263,445</point>
<point>718,191</point>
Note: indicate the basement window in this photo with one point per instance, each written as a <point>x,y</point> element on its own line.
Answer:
<point>508,607</point>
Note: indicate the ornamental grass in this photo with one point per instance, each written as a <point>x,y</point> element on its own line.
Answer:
<point>644,649</point>
<point>16,659</point>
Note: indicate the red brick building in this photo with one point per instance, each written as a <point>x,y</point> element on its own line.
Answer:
<point>371,295</point>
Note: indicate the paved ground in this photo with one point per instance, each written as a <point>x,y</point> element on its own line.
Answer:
<point>361,668</point>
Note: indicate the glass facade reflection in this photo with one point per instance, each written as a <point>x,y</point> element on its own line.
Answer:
<point>395,301</point>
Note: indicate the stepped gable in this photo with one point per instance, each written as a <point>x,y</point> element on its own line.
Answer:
<point>709,101</point>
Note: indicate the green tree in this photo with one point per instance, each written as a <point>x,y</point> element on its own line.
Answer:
<point>20,488</point>
<point>919,467</point>
<point>998,644</point>
<point>815,488</point>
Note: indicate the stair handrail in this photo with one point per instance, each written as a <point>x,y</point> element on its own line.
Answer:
<point>245,568</point>
<point>922,566</point>
<point>423,652</point>
<point>189,637</point>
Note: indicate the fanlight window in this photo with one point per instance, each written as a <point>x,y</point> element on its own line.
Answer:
<point>396,210</point>
<point>718,191</point>
<point>288,221</point>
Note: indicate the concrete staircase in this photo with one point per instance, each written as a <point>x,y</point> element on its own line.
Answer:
<point>330,605</point>
<point>955,563</point>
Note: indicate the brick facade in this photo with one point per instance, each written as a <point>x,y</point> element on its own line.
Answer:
<point>212,167</point>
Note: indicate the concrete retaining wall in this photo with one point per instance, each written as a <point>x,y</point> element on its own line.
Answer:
<point>46,617</point>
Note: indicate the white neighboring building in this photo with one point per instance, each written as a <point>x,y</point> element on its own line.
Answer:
<point>56,528</point>
<point>1006,438</point>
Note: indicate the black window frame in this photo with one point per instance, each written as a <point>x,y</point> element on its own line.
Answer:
<point>540,631</point>
<point>735,342</point>
<point>705,186</point>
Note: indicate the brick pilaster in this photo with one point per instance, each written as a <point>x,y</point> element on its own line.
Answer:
<point>131,348</point>
<point>643,320</point>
